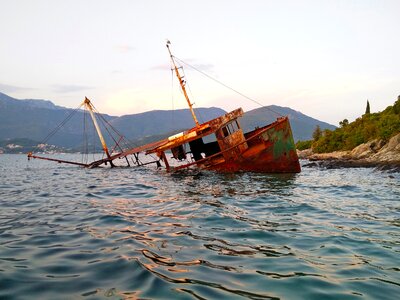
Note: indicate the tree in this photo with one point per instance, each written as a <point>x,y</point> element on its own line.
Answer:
<point>381,125</point>
<point>344,123</point>
<point>396,106</point>
<point>317,133</point>
<point>367,110</point>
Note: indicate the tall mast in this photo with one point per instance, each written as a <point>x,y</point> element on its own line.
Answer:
<point>182,83</point>
<point>89,106</point>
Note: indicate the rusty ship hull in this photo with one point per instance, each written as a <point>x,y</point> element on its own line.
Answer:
<point>271,150</point>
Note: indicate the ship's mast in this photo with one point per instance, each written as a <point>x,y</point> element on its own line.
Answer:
<point>182,83</point>
<point>89,106</point>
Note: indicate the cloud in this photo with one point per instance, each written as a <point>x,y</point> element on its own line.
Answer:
<point>12,88</point>
<point>124,48</point>
<point>63,89</point>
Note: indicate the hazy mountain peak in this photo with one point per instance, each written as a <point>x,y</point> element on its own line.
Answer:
<point>35,103</point>
<point>34,119</point>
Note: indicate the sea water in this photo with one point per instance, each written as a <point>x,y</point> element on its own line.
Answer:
<point>141,233</point>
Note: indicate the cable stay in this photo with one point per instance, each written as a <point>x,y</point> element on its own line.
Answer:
<point>223,84</point>
<point>121,149</point>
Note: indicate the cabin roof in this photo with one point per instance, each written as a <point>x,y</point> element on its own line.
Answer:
<point>194,133</point>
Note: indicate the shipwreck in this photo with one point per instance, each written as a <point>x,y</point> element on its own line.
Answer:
<point>219,144</point>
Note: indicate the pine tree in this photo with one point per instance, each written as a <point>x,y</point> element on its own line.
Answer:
<point>396,106</point>
<point>367,110</point>
<point>344,123</point>
<point>317,133</point>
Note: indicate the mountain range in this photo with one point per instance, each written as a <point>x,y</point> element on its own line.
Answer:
<point>36,119</point>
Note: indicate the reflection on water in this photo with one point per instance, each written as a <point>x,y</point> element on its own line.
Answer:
<point>67,232</point>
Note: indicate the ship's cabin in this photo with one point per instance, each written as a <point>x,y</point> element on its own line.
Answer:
<point>224,141</point>
<point>217,140</point>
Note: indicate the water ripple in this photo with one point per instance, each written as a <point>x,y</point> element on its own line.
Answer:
<point>67,232</point>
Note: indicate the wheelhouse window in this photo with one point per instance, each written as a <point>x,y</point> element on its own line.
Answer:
<point>230,128</point>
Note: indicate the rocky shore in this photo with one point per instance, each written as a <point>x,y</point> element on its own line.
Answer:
<point>374,154</point>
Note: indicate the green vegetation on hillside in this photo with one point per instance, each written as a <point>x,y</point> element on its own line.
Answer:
<point>302,145</point>
<point>382,125</point>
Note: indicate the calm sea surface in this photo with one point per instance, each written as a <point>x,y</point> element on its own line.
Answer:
<point>73,233</point>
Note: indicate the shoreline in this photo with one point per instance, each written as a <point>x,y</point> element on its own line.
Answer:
<point>374,154</point>
<point>353,163</point>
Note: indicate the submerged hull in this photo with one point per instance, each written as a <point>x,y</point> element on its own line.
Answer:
<point>270,149</point>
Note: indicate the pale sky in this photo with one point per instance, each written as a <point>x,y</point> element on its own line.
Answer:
<point>323,58</point>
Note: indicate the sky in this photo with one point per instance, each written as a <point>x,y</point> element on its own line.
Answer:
<point>323,58</point>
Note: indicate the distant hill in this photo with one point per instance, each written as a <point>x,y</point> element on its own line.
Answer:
<point>35,119</point>
<point>302,125</point>
<point>156,122</point>
<point>7,101</point>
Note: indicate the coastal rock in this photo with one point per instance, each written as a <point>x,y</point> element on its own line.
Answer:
<point>303,154</point>
<point>389,152</point>
<point>342,155</point>
<point>374,154</point>
<point>367,149</point>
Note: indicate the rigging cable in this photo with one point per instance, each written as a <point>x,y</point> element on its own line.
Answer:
<point>127,142</point>
<point>172,97</point>
<point>227,86</point>
<point>116,143</point>
<point>85,150</point>
<point>94,143</point>
<point>59,126</point>
<point>192,95</point>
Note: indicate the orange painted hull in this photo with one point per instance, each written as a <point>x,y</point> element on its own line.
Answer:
<point>271,149</point>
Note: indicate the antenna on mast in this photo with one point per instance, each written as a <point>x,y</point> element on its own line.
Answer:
<point>182,83</point>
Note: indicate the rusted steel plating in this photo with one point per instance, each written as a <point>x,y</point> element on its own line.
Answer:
<point>269,149</point>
